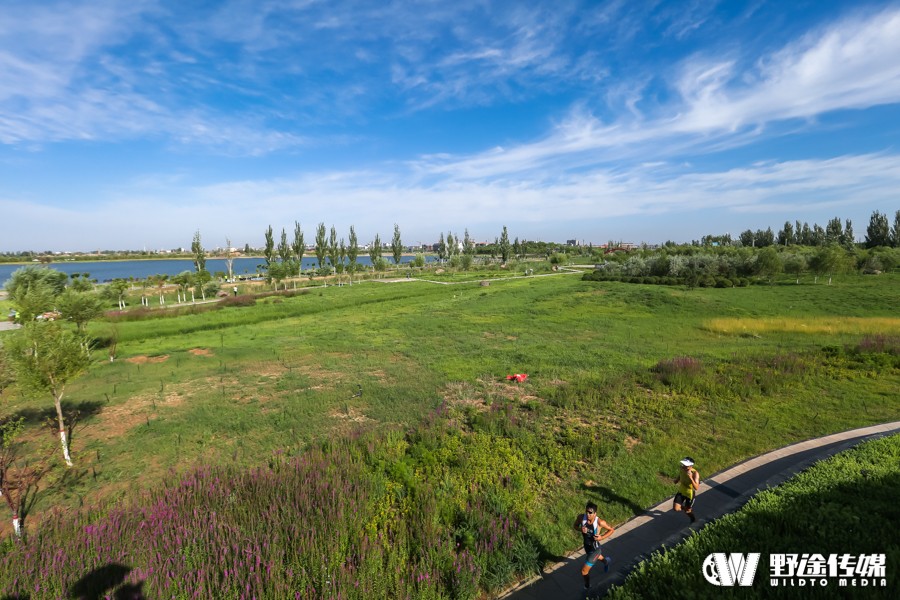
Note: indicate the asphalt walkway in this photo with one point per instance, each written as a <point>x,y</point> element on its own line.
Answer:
<point>719,494</point>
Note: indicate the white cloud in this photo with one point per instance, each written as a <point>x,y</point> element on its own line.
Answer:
<point>850,65</point>
<point>575,204</point>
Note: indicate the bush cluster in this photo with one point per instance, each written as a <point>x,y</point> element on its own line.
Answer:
<point>704,281</point>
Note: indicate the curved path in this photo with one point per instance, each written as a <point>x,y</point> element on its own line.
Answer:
<point>719,494</point>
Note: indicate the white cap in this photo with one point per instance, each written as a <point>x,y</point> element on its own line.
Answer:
<point>688,462</point>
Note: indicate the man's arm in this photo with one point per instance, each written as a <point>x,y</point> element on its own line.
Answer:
<point>695,480</point>
<point>609,530</point>
<point>577,524</point>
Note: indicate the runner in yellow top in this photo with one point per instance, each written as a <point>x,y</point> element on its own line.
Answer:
<point>688,481</point>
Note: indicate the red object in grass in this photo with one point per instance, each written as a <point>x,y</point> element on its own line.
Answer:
<point>520,377</point>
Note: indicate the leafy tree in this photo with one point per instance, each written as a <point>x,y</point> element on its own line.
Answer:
<point>284,249</point>
<point>829,260</point>
<point>806,235</point>
<point>45,358</point>
<point>375,252</point>
<point>504,245</point>
<point>768,263</point>
<point>834,231</point>
<point>396,245</point>
<point>747,238</point>
<point>50,282</point>
<point>795,264</point>
<point>278,271</point>
<point>159,280</point>
<point>847,239</point>
<point>269,249</point>
<point>786,235</point>
<point>116,290</point>
<point>79,307</point>
<point>321,244</point>
<point>342,256</point>
<point>451,245</point>
<point>333,249</point>
<point>298,246</point>
<point>81,282</point>
<point>818,235</point>
<point>878,231</point>
<point>895,231</point>
<point>198,252</point>
<point>202,283</point>
<point>468,244</point>
<point>352,252</point>
<point>10,484</point>
<point>442,248</point>
<point>761,238</point>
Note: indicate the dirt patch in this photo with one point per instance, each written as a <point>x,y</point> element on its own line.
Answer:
<point>631,442</point>
<point>351,414</point>
<point>140,360</point>
<point>483,392</point>
<point>201,352</point>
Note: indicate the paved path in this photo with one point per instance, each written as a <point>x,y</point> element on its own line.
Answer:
<point>719,494</point>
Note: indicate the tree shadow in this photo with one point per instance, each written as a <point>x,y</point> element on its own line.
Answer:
<point>608,496</point>
<point>86,408</point>
<point>95,584</point>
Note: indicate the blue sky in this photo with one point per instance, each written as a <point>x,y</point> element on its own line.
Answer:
<point>134,124</point>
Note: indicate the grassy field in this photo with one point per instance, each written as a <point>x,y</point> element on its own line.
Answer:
<point>851,496</point>
<point>623,379</point>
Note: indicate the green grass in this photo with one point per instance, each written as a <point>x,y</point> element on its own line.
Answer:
<point>844,505</point>
<point>593,417</point>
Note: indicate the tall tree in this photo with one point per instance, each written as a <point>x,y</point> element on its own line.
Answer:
<point>45,358</point>
<point>198,252</point>
<point>284,249</point>
<point>333,248</point>
<point>504,245</point>
<point>298,246</point>
<point>342,257</point>
<point>786,235</point>
<point>352,252</point>
<point>451,245</point>
<point>269,250</point>
<point>848,240</point>
<point>468,244</point>
<point>878,232</point>
<point>834,231</point>
<point>396,245</point>
<point>818,235</point>
<point>895,231</point>
<point>442,248</point>
<point>747,238</point>
<point>321,244</point>
<point>375,251</point>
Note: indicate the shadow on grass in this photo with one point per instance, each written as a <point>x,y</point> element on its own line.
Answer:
<point>607,496</point>
<point>82,410</point>
<point>95,584</point>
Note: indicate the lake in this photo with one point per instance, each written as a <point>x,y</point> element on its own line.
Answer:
<point>104,271</point>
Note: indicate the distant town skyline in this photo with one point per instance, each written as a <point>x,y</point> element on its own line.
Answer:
<point>127,125</point>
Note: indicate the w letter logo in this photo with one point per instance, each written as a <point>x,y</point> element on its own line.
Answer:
<point>728,569</point>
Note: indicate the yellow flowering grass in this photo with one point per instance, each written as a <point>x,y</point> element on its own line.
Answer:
<point>816,325</point>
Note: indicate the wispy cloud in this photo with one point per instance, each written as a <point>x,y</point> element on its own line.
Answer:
<point>850,65</point>
<point>579,204</point>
